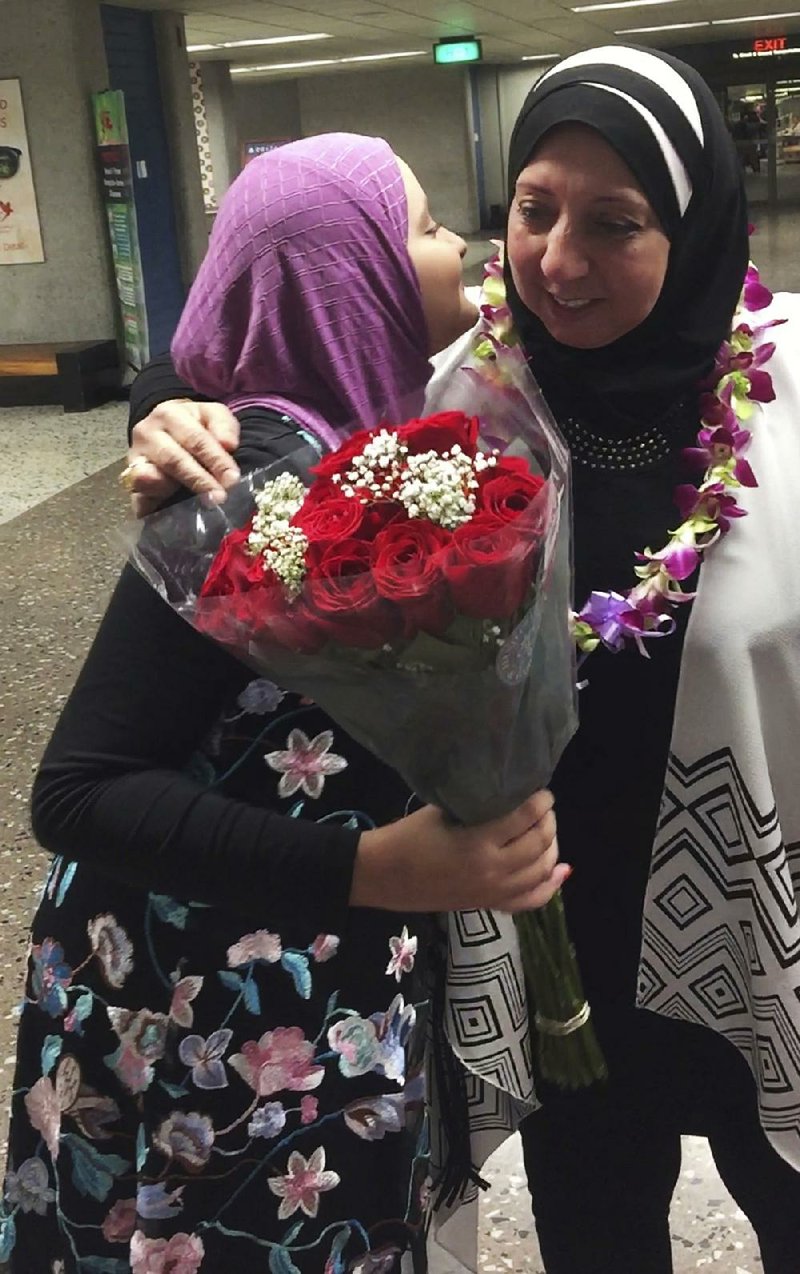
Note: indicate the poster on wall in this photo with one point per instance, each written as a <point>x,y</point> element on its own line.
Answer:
<point>20,232</point>
<point>117,177</point>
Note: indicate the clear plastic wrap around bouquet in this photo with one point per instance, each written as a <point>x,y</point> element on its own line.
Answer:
<point>416,584</point>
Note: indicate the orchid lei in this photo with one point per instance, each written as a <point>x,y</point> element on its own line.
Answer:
<point>728,398</point>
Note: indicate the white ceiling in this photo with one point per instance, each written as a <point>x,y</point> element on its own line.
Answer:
<point>509,29</point>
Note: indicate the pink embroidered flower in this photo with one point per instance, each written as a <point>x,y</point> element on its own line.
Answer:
<point>113,948</point>
<point>261,945</point>
<point>44,1112</point>
<point>304,1182</point>
<point>404,954</point>
<point>120,1222</point>
<point>376,1043</point>
<point>305,764</point>
<point>180,1010</point>
<point>182,1254</point>
<point>324,947</point>
<point>142,1037</point>
<point>309,1109</point>
<point>282,1059</point>
<point>186,1137</point>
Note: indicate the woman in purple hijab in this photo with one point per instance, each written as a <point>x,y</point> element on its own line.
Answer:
<point>218,1065</point>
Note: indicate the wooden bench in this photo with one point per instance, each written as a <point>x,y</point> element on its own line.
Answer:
<point>76,374</point>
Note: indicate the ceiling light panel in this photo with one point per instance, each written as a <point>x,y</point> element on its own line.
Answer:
<point>670,26</point>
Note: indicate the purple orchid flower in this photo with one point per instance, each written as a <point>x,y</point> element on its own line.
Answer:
<point>713,503</point>
<point>717,447</point>
<point>716,412</point>
<point>763,353</point>
<point>678,560</point>
<point>761,388</point>
<point>756,295</point>
<point>688,500</point>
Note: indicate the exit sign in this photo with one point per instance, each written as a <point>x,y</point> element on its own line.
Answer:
<point>468,49</point>
<point>773,46</point>
<point>777,44</point>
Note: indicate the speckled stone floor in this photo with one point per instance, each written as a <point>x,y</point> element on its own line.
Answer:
<point>708,1230</point>
<point>58,560</point>
<point>43,450</point>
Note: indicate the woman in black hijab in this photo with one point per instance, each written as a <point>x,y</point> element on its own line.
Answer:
<point>626,254</point>
<point>625,193</point>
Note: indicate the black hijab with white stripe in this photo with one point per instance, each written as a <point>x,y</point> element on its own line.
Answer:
<point>662,119</point>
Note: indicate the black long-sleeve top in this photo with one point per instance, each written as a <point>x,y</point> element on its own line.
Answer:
<point>113,789</point>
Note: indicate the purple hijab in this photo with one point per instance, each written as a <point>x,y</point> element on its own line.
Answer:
<point>307,300</point>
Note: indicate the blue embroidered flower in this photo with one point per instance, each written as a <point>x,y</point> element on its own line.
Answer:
<point>373,1117</point>
<point>267,1121</point>
<point>29,1187</point>
<point>205,1058</point>
<point>260,697</point>
<point>50,977</point>
<point>153,1203</point>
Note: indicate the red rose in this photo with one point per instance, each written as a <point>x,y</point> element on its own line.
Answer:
<point>240,600</point>
<point>440,432</point>
<point>338,461</point>
<point>329,518</point>
<point>340,592</point>
<point>489,567</point>
<point>234,569</point>
<point>507,491</point>
<point>407,571</point>
<point>378,515</point>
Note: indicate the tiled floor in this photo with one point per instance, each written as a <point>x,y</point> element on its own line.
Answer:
<point>708,1230</point>
<point>43,450</point>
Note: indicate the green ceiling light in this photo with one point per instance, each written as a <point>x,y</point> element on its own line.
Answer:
<point>461,49</point>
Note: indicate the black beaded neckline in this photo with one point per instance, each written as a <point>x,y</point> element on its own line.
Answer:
<point>631,452</point>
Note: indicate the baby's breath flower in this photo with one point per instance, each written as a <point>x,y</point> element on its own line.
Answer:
<point>281,546</point>
<point>377,469</point>
<point>439,487</point>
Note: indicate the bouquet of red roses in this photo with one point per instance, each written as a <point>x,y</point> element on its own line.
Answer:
<point>416,584</point>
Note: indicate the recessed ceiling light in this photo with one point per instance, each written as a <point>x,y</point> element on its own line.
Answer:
<point>753,17</point>
<point>381,57</point>
<point>616,4</point>
<point>542,57</point>
<point>281,66</point>
<point>297,66</point>
<point>671,26</point>
<point>272,39</point>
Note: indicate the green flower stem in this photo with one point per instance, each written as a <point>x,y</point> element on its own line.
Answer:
<point>554,986</point>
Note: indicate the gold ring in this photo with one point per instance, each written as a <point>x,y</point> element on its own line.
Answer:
<point>127,479</point>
